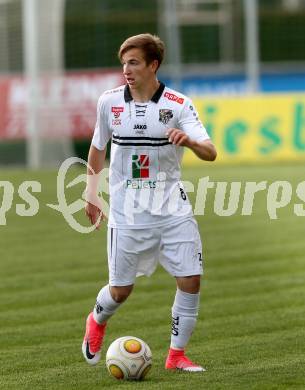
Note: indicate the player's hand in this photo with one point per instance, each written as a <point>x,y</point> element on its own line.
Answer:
<point>93,210</point>
<point>178,137</point>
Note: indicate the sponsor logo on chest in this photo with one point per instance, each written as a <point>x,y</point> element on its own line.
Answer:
<point>116,111</point>
<point>140,167</point>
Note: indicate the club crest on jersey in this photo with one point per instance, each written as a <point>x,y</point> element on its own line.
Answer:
<point>165,115</point>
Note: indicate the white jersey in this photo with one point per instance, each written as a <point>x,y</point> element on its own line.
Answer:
<point>144,176</point>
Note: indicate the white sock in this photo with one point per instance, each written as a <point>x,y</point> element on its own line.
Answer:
<point>184,317</point>
<point>105,305</point>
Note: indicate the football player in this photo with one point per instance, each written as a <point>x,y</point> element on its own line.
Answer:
<point>150,217</point>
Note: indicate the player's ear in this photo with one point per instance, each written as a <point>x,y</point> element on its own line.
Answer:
<point>154,65</point>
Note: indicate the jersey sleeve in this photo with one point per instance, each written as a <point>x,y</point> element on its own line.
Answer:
<point>190,123</point>
<point>102,133</point>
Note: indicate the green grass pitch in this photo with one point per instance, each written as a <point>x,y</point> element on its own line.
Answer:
<point>250,333</point>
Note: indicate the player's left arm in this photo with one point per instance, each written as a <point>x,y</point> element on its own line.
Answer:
<point>190,132</point>
<point>205,150</point>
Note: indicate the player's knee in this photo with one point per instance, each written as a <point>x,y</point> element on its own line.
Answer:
<point>195,283</point>
<point>120,293</point>
<point>189,284</point>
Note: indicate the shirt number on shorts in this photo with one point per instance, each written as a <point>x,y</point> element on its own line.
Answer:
<point>200,258</point>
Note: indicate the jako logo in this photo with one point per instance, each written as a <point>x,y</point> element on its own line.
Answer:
<point>140,127</point>
<point>174,98</point>
<point>175,324</point>
<point>140,166</point>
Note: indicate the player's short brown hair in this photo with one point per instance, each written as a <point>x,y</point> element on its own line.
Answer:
<point>151,45</point>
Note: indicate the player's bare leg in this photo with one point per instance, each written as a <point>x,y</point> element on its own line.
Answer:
<point>189,284</point>
<point>184,316</point>
<point>107,302</point>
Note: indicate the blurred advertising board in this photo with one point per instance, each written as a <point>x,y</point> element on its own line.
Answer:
<point>256,128</point>
<point>245,128</point>
<point>66,104</point>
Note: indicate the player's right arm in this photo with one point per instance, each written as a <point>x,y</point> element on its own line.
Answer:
<point>96,160</point>
<point>93,208</point>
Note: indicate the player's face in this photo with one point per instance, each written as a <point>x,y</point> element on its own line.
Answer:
<point>136,72</point>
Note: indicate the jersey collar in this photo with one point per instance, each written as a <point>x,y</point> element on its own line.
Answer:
<point>155,98</point>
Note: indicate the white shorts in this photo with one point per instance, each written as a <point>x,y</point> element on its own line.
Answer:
<point>135,252</point>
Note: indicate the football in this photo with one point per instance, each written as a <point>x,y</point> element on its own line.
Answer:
<point>128,358</point>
